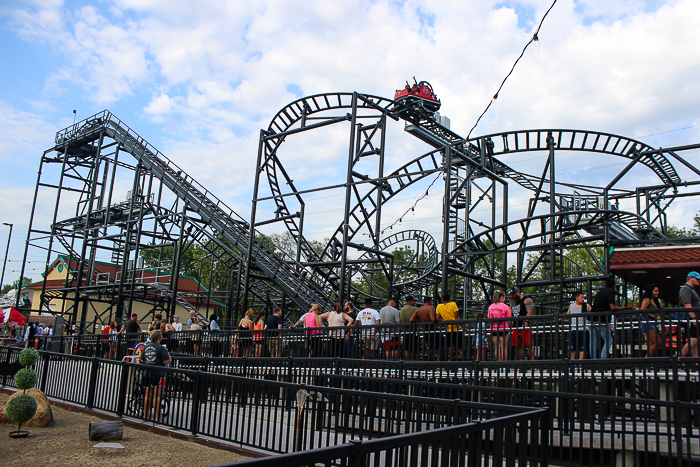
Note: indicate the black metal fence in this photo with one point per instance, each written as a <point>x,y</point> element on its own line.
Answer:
<point>541,337</point>
<point>498,441</point>
<point>285,417</point>
<point>604,412</point>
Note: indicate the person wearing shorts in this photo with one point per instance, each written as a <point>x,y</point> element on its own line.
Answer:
<point>577,334</point>
<point>369,317</point>
<point>156,355</point>
<point>390,315</point>
<point>411,345</point>
<point>426,316</point>
<point>520,336</point>
<point>448,311</point>
<point>500,329</point>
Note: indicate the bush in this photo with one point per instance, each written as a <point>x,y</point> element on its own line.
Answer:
<point>25,379</point>
<point>21,408</point>
<point>28,357</point>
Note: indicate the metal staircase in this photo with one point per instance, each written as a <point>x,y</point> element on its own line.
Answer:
<point>288,275</point>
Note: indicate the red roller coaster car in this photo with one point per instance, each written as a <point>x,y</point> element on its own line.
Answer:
<point>419,95</point>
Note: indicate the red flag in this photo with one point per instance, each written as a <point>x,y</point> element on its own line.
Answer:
<point>16,317</point>
<point>2,315</point>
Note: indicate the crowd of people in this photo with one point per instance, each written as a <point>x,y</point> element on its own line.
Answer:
<point>364,333</point>
<point>38,335</point>
<point>507,332</point>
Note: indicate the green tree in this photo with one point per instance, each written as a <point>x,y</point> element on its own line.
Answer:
<point>673,231</point>
<point>285,242</point>
<point>161,257</point>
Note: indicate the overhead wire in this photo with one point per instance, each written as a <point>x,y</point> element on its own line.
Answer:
<point>413,208</point>
<point>495,96</point>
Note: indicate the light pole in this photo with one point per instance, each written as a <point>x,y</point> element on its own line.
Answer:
<point>2,278</point>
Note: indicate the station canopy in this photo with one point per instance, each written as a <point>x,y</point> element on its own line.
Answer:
<point>665,266</point>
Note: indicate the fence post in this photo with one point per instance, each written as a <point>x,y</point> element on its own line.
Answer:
<point>45,371</point>
<point>545,432</point>
<point>565,410</point>
<point>677,416</point>
<point>196,396</point>
<point>124,379</point>
<point>92,382</point>
<point>120,342</point>
<point>7,364</point>
<point>356,458</point>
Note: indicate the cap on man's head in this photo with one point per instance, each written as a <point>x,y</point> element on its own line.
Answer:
<point>514,291</point>
<point>694,274</point>
<point>368,301</point>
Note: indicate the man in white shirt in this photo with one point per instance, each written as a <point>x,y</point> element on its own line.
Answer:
<point>368,317</point>
<point>176,324</point>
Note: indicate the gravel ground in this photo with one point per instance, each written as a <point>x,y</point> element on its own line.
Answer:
<point>66,443</point>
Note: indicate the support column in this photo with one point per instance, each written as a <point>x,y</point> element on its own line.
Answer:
<point>253,212</point>
<point>125,257</point>
<point>348,194</point>
<point>446,217</point>
<point>179,246</point>
<point>552,204</point>
<point>83,252</point>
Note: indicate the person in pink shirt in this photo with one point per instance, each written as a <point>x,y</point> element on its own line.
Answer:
<point>500,329</point>
<point>313,320</point>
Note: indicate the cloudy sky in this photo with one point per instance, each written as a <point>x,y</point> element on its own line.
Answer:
<point>200,79</point>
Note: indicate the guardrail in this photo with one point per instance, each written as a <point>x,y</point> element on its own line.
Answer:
<point>539,337</point>
<point>285,417</point>
<point>492,442</point>
<point>604,412</point>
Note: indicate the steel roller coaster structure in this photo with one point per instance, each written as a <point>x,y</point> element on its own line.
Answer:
<point>93,158</point>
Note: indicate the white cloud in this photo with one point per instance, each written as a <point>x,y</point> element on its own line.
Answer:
<point>211,74</point>
<point>23,135</point>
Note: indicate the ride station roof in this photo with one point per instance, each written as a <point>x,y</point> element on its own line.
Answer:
<point>665,266</point>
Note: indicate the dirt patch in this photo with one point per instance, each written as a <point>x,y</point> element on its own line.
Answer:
<point>66,443</point>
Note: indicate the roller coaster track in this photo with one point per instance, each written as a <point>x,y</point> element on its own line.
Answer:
<point>579,140</point>
<point>565,221</point>
<point>424,272</point>
<point>287,275</point>
<point>305,287</point>
<point>434,134</point>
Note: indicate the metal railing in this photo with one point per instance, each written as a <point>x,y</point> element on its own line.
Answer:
<point>285,417</point>
<point>506,441</point>
<point>540,337</point>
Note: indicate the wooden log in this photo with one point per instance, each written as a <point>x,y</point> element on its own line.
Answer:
<point>106,431</point>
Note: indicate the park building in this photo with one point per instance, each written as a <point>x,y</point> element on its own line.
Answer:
<point>149,290</point>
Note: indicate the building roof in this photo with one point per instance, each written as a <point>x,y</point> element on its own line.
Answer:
<point>665,266</point>
<point>656,257</point>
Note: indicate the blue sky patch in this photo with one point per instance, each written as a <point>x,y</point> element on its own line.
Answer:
<point>295,89</point>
